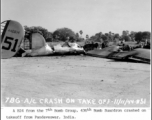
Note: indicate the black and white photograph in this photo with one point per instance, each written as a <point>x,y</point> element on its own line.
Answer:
<point>90,54</point>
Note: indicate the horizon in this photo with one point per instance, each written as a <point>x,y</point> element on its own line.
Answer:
<point>90,16</point>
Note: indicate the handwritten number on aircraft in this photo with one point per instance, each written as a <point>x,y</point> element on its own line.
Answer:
<point>8,41</point>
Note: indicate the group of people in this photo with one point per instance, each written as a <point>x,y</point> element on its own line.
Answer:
<point>117,41</point>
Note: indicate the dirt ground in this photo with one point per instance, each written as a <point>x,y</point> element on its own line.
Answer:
<point>74,81</point>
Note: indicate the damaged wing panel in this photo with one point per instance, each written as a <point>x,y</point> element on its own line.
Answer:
<point>114,53</point>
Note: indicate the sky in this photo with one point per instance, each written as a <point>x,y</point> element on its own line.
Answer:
<point>90,16</point>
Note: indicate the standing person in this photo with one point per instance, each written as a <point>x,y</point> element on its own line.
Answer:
<point>27,43</point>
<point>66,43</point>
<point>116,39</point>
<point>100,43</point>
<point>110,36</point>
<point>86,40</point>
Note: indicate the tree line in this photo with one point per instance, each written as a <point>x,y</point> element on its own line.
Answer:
<point>61,34</point>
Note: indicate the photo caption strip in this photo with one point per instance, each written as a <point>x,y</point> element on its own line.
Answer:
<point>54,113</point>
<point>58,101</point>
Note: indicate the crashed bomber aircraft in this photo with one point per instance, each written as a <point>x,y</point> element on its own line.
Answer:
<point>12,36</point>
<point>40,48</point>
